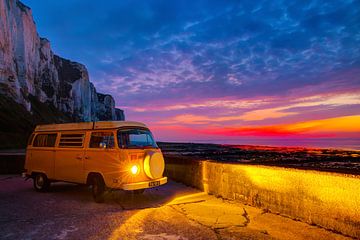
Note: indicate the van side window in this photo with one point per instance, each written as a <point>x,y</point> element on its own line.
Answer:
<point>30,139</point>
<point>45,140</point>
<point>71,140</point>
<point>102,137</point>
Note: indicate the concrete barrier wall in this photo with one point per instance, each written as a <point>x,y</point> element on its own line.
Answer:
<point>329,200</point>
<point>12,163</point>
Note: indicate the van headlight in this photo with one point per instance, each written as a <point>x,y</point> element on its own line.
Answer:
<point>134,169</point>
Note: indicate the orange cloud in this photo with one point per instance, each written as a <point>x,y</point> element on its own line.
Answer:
<point>187,119</point>
<point>243,110</point>
<point>339,124</point>
<point>338,99</point>
<point>313,101</point>
<point>347,124</point>
<point>266,114</point>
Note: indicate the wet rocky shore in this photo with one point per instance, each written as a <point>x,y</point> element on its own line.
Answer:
<point>334,160</point>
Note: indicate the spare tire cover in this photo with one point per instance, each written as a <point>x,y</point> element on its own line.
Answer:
<point>154,164</point>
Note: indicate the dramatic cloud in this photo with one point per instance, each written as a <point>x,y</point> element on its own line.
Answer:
<point>194,63</point>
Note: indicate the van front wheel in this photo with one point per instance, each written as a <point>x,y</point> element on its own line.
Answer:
<point>98,189</point>
<point>41,182</point>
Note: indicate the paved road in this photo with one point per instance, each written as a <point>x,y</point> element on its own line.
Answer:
<point>173,212</point>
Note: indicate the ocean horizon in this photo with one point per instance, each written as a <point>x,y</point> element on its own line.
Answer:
<point>342,143</point>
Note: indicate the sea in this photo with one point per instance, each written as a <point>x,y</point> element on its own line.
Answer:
<point>339,143</point>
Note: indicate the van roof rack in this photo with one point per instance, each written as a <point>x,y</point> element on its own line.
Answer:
<point>88,125</point>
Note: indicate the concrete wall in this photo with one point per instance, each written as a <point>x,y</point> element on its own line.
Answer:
<point>12,163</point>
<point>329,200</point>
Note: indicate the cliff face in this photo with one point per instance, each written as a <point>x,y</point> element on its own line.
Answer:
<point>29,70</point>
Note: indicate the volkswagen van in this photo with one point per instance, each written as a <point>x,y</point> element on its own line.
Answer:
<point>105,155</point>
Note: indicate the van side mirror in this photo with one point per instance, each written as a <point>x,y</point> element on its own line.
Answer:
<point>102,145</point>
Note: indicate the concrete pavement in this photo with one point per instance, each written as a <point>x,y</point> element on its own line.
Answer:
<point>173,212</point>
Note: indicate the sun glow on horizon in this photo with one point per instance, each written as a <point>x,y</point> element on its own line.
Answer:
<point>347,126</point>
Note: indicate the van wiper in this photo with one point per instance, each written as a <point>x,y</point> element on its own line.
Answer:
<point>140,146</point>
<point>149,146</point>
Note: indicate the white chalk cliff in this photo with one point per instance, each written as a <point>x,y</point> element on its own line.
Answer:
<point>29,69</point>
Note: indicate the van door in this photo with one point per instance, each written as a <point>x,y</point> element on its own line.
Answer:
<point>102,156</point>
<point>42,154</point>
<point>69,160</point>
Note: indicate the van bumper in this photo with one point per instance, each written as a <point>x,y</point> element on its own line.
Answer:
<point>25,175</point>
<point>143,185</point>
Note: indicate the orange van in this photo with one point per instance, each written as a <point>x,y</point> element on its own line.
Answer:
<point>105,155</point>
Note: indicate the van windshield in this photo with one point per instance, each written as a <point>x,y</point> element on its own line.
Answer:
<point>135,138</point>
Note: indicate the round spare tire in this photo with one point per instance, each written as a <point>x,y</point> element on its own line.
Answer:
<point>154,164</point>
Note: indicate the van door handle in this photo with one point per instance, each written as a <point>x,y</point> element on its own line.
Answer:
<point>79,157</point>
<point>87,157</point>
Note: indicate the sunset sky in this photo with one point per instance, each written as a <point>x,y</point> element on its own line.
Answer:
<point>218,70</point>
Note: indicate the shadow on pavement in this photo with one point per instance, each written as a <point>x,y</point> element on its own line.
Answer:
<point>151,198</point>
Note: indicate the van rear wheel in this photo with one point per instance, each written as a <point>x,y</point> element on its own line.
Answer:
<point>41,182</point>
<point>98,189</point>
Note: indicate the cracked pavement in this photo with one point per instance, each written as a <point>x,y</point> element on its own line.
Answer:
<point>173,212</point>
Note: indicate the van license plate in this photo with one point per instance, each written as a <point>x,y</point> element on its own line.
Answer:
<point>154,184</point>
